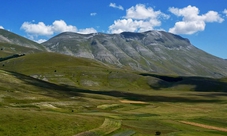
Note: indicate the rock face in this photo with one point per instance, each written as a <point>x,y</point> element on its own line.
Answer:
<point>152,51</point>
<point>9,37</point>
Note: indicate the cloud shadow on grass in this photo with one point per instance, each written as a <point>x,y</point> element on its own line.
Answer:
<point>201,84</point>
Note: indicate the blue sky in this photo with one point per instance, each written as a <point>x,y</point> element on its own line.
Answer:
<point>203,23</point>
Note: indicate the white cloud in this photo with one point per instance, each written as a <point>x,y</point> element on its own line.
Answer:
<point>188,27</point>
<point>141,12</point>
<point>45,30</point>
<point>212,16</point>
<point>124,25</point>
<point>61,26</point>
<point>138,19</point>
<point>87,31</point>
<point>192,22</point>
<point>37,29</point>
<point>113,5</point>
<point>225,12</point>
<point>41,40</point>
<point>34,30</point>
<point>93,14</point>
<point>131,25</point>
<point>1,27</point>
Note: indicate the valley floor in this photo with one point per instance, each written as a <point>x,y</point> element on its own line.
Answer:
<point>32,107</point>
<point>97,114</point>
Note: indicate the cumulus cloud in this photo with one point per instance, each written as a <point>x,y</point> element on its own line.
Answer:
<point>45,30</point>
<point>61,26</point>
<point>41,40</point>
<point>192,22</point>
<point>35,30</point>
<point>225,12</point>
<point>93,14</point>
<point>138,19</point>
<point>87,31</point>
<point>124,25</point>
<point>131,25</point>
<point>113,5</point>
<point>1,27</point>
<point>38,29</point>
<point>140,11</point>
<point>58,26</point>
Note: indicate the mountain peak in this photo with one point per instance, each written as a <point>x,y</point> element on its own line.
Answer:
<point>157,37</point>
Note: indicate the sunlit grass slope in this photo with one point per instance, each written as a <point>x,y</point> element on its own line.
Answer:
<point>80,72</point>
<point>7,49</point>
<point>12,38</point>
<point>32,107</point>
<point>90,74</point>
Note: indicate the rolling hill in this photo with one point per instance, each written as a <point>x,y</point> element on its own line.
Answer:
<point>12,38</point>
<point>13,45</point>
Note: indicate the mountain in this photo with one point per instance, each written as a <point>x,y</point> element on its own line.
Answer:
<point>50,93</point>
<point>152,51</point>
<point>11,38</point>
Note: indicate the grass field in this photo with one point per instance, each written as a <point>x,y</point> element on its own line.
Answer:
<point>79,97</point>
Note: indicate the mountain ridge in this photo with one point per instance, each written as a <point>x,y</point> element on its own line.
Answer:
<point>152,51</point>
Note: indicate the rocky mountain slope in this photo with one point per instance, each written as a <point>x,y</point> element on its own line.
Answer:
<point>152,51</point>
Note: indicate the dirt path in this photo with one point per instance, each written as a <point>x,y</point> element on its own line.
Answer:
<point>132,102</point>
<point>108,126</point>
<point>204,126</point>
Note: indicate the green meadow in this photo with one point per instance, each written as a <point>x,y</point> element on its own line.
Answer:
<point>48,94</point>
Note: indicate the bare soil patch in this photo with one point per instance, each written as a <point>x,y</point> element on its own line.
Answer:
<point>132,102</point>
<point>204,126</point>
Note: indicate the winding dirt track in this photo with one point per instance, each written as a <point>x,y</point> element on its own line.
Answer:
<point>132,102</point>
<point>204,126</point>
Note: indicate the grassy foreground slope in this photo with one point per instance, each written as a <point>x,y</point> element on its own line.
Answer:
<point>26,108</point>
<point>31,107</point>
<point>51,94</point>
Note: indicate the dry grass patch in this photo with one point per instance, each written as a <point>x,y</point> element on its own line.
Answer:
<point>204,126</point>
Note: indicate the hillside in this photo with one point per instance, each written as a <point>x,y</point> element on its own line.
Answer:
<point>12,38</point>
<point>80,72</point>
<point>7,49</point>
<point>90,74</point>
<point>153,51</point>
